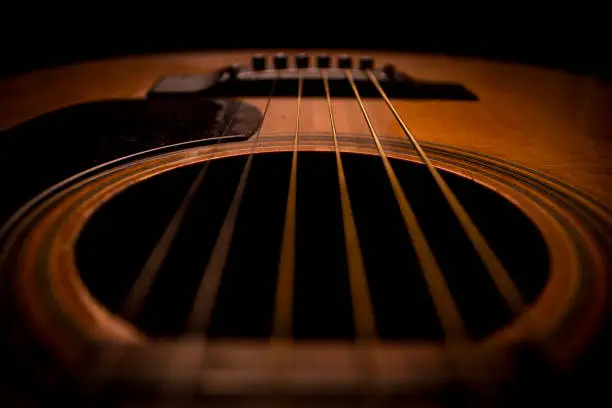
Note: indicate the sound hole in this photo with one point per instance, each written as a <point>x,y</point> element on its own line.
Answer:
<point>117,240</point>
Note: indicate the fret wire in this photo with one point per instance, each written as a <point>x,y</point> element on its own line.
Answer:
<point>498,273</point>
<point>284,290</point>
<point>203,306</point>
<point>365,321</point>
<point>446,307</point>
<point>141,287</point>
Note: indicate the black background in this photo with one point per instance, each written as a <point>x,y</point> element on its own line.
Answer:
<point>565,36</point>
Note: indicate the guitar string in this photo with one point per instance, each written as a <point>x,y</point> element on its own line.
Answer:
<point>498,273</point>
<point>110,360</point>
<point>203,305</point>
<point>199,317</point>
<point>141,287</point>
<point>362,305</point>
<point>365,323</point>
<point>444,303</point>
<point>286,270</point>
<point>461,350</point>
<point>80,176</point>
<point>459,347</point>
<point>283,323</point>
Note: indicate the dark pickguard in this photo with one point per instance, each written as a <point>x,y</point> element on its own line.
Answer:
<point>52,147</point>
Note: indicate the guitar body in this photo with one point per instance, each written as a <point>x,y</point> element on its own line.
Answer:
<point>535,139</point>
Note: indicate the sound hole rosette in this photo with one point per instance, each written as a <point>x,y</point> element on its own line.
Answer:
<point>87,339</point>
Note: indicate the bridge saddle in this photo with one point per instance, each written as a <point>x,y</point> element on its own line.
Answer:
<point>257,80</point>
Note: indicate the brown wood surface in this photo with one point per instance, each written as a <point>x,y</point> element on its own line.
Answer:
<point>552,121</point>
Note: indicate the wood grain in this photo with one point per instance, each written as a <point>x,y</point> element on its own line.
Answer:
<point>548,120</point>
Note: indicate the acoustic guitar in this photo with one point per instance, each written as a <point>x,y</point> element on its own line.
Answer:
<point>244,229</point>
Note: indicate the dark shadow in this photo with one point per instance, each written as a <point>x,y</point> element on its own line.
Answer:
<point>52,147</point>
<point>126,229</point>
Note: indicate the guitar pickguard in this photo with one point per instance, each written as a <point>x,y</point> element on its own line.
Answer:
<point>52,147</point>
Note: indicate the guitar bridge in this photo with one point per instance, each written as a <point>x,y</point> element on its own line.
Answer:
<point>257,81</point>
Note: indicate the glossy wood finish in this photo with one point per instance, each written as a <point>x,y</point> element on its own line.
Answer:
<point>70,319</point>
<point>548,120</point>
